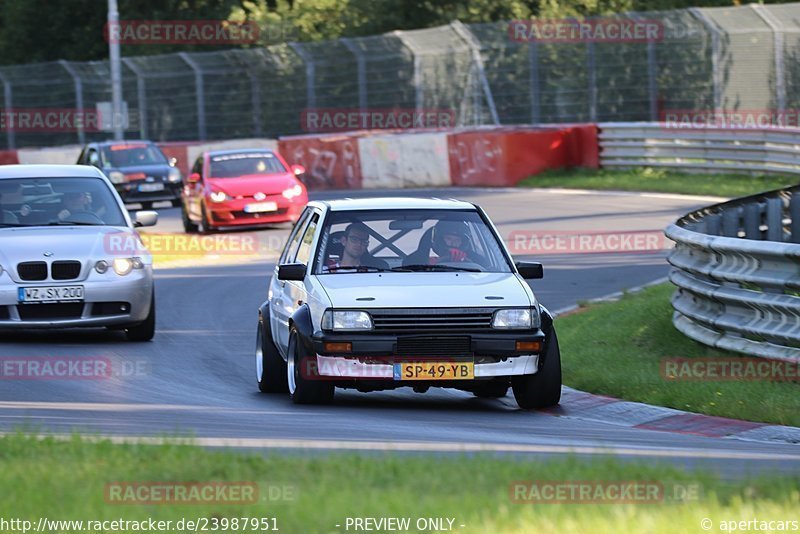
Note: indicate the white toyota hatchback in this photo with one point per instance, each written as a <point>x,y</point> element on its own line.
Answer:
<point>383,293</point>
<point>69,254</point>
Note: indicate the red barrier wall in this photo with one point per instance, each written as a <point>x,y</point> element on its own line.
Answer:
<point>331,161</point>
<point>503,157</point>
<point>8,157</point>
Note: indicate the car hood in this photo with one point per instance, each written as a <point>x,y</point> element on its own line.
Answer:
<point>421,290</point>
<point>269,184</point>
<point>66,243</point>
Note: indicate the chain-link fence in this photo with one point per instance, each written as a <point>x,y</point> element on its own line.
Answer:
<point>703,59</point>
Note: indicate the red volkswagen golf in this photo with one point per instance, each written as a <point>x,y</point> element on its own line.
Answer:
<point>229,188</point>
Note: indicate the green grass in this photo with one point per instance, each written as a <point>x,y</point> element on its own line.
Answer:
<point>616,349</point>
<point>659,181</point>
<point>67,480</point>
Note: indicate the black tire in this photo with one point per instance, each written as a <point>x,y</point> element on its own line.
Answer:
<point>176,202</point>
<point>543,389</point>
<point>205,226</point>
<point>272,377</point>
<point>188,226</point>
<point>491,389</point>
<point>145,330</point>
<point>308,390</point>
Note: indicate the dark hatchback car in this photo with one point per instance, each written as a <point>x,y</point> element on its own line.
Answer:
<point>139,170</point>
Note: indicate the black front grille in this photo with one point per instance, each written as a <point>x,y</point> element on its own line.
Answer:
<point>38,312</point>
<point>432,319</point>
<point>32,271</point>
<point>258,215</point>
<point>65,270</point>
<point>434,346</point>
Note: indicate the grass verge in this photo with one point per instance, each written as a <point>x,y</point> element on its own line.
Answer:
<point>659,181</point>
<point>68,481</point>
<point>617,349</point>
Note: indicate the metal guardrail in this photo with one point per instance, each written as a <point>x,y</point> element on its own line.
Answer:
<point>737,269</point>
<point>654,144</point>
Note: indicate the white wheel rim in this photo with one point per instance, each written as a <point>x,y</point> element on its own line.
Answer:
<point>290,367</point>
<point>259,355</point>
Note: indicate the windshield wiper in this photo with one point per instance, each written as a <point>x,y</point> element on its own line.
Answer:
<point>434,267</point>
<point>12,225</point>
<point>71,223</point>
<point>358,268</point>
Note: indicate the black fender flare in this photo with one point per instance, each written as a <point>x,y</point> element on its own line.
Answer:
<point>548,328</point>
<point>301,320</point>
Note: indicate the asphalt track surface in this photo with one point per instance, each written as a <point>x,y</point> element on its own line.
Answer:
<point>197,377</point>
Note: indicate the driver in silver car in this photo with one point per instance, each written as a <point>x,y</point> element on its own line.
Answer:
<point>76,202</point>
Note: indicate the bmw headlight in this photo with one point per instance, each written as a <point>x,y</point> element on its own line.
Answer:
<point>174,175</point>
<point>346,320</point>
<point>123,266</point>
<point>116,177</point>
<point>218,196</point>
<point>516,318</point>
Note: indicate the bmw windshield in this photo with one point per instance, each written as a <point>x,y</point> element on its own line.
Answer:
<point>57,202</point>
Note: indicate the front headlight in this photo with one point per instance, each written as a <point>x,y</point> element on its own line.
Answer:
<point>174,175</point>
<point>292,192</point>
<point>516,318</point>
<point>123,266</point>
<point>116,177</point>
<point>346,320</point>
<point>218,196</point>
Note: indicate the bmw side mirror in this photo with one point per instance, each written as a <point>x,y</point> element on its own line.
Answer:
<point>530,270</point>
<point>145,218</point>
<point>292,271</point>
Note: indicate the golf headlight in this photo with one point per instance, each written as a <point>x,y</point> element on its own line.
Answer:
<point>294,191</point>
<point>516,318</point>
<point>218,196</point>
<point>116,177</point>
<point>174,175</point>
<point>346,320</point>
<point>123,266</point>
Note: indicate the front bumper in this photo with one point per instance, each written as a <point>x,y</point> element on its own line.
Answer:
<point>373,355</point>
<point>130,194</point>
<point>232,212</point>
<point>104,300</point>
<point>352,368</point>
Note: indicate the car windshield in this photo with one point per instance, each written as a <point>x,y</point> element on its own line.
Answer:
<point>58,201</point>
<point>233,165</point>
<point>131,155</point>
<point>408,241</point>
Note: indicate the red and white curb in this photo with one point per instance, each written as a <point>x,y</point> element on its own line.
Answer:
<point>589,406</point>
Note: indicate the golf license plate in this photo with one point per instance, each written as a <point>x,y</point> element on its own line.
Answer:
<point>259,207</point>
<point>28,295</point>
<point>150,188</point>
<point>434,371</point>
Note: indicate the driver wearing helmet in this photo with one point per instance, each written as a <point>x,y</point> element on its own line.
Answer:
<point>451,244</point>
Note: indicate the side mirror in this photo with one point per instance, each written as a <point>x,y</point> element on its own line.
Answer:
<point>292,271</point>
<point>173,162</point>
<point>193,178</point>
<point>298,170</point>
<point>530,270</point>
<point>145,218</point>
